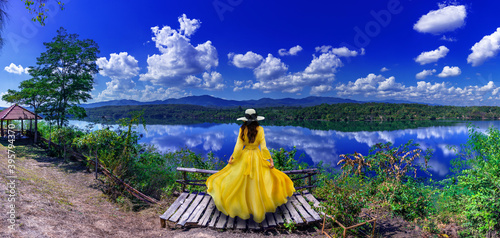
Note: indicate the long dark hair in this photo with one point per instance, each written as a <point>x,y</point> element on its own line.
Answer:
<point>252,130</point>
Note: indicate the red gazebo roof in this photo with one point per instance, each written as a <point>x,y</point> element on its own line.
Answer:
<point>16,112</point>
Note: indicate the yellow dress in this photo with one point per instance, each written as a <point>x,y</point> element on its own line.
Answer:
<point>248,185</point>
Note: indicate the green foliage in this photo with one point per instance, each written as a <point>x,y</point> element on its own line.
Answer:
<point>67,66</point>
<point>107,145</point>
<point>395,163</point>
<point>39,9</point>
<point>411,200</point>
<point>474,191</point>
<point>63,137</point>
<point>34,92</point>
<point>290,225</point>
<point>188,159</point>
<point>384,176</point>
<point>285,160</point>
<point>344,197</point>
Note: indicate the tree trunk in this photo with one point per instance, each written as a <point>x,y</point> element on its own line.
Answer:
<point>36,128</point>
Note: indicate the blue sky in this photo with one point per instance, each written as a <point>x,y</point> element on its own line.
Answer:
<point>422,51</point>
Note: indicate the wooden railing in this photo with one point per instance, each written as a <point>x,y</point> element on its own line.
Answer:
<point>134,192</point>
<point>309,173</point>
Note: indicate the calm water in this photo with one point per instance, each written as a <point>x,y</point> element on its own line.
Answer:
<point>312,146</point>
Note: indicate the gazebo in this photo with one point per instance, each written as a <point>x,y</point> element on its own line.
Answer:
<point>16,112</point>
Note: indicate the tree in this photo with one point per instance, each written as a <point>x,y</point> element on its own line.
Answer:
<point>34,92</point>
<point>68,65</point>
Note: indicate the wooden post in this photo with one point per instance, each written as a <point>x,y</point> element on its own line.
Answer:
<point>22,127</point>
<point>163,223</point>
<point>309,179</point>
<point>2,127</point>
<point>50,134</point>
<point>96,164</point>
<point>184,176</point>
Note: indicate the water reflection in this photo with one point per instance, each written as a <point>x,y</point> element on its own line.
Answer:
<point>315,145</point>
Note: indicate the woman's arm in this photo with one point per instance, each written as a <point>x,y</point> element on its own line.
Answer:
<point>265,151</point>
<point>237,149</point>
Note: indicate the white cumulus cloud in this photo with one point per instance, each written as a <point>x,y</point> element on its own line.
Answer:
<point>240,85</point>
<point>270,68</point>
<point>272,75</point>
<point>445,19</point>
<point>178,58</point>
<point>425,73</point>
<point>119,66</point>
<point>209,81</point>
<point>450,72</point>
<point>384,69</point>
<point>432,56</point>
<point>486,48</point>
<point>345,52</point>
<point>249,60</point>
<point>377,86</point>
<point>323,48</point>
<point>16,69</point>
<point>2,102</point>
<point>293,51</point>
<point>371,85</point>
<point>450,39</point>
<point>341,51</point>
<point>125,89</point>
<point>317,90</point>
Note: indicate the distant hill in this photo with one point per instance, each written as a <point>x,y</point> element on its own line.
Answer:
<point>209,101</point>
<point>214,102</point>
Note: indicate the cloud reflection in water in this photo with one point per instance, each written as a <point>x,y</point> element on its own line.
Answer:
<point>316,145</point>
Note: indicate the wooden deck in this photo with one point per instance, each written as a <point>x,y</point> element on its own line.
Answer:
<point>198,210</point>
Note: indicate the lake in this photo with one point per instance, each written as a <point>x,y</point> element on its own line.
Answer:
<point>314,145</point>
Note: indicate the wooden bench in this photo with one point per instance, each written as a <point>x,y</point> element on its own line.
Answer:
<point>197,209</point>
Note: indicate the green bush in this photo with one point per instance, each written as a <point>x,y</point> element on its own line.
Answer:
<point>387,175</point>
<point>343,198</point>
<point>411,200</point>
<point>474,191</point>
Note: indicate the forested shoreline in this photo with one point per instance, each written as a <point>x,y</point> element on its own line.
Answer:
<point>342,112</point>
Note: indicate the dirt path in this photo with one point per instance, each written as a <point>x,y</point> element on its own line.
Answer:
<point>55,198</point>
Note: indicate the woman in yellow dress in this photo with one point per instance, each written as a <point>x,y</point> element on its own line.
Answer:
<point>249,184</point>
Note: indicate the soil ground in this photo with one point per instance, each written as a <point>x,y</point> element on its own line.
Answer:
<point>60,198</point>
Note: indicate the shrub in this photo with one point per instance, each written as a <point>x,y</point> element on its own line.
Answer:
<point>411,200</point>
<point>475,188</point>
<point>344,197</point>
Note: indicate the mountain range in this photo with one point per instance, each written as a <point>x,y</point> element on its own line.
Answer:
<point>209,101</point>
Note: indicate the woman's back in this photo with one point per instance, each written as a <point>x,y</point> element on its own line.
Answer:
<point>258,136</point>
<point>249,184</point>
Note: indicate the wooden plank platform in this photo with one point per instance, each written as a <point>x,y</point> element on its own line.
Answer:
<point>199,210</point>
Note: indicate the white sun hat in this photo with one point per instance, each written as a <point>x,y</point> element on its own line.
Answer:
<point>251,115</point>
